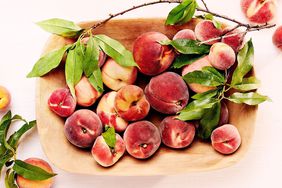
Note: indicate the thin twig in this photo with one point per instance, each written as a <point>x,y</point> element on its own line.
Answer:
<point>205,4</point>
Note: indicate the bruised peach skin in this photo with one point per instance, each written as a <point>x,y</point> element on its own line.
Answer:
<point>107,113</point>
<point>167,93</point>
<point>116,76</point>
<point>259,11</point>
<point>176,133</point>
<point>26,183</point>
<point>205,30</point>
<point>62,102</point>
<point>226,139</point>
<point>277,38</point>
<point>142,139</point>
<point>185,34</point>
<point>234,41</point>
<point>152,57</point>
<point>82,128</point>
<point>197,65</point>
<point>104,155</point>
<point>224,114</point>
<point>5,98</point>
<point>131,103</point>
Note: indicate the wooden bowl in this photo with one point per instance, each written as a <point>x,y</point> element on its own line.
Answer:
<point>200,156</point>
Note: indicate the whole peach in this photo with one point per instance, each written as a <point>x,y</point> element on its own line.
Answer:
<point>5,98</point>
<point>235,40</point>
<point>277,38</point>
<point>259,11</point>
<point>131,103</point>
<point>142,139</point>
<point>167,93</point>
<point>107,113</point>
<point>86,94</point>
<point>62,102</point>
<point>152,57</point>
<point>176,133</point>
<point>185,34</point>
<point>224,114</point>
<point>106,156</point>
<point>222,56</point>
<point>205,30</point>
<point>195,66</point>
<point>82,128</point>
<point>226,139</point>
<point>26,183</point>
<point>116,76</point>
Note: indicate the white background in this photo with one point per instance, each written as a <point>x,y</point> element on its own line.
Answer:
<point>21,42</point>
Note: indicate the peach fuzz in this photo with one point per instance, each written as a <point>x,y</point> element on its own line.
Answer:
<point>226,139</point>
<point>5,98</point>
<point>142,139</point>
<point>235,40</point>
<point>107,113</point>
<point>86,94</point>
<point>197,65</point>
<point>176,133</point>
<point>259,11</point>
<point>152,57</point>
<point>185,34</point>
<point>222,56</point>
<point>26,183</point>
<point>167,93</point>
<point>106,156</point>
<point>62,102</point>
<point>116,76</point>
<point>205,30</point>
<point>277,38</point>
<point>131,103</point>
<point>82,128</point>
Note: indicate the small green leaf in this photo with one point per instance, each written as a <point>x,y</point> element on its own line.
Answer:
<point>31,172</point>
<point>205,95</point>
<point>251,98</point>
<point>96,80</point>
<point>115,50</point>
<point>217,24</point>
<point>245,63</point>
<point>48,62</point>
<point>61,27</point>
<point>209,121</point>
<point>110,137</point>
<point>183,60</point>
<point>208,16</point>
<point>10,179</point>
<point>248,84</point>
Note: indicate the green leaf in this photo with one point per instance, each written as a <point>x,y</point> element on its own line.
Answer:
<point>10,179</point>
<point>74,66</point>
<point>31,172</point>
<point>251,98</point>
<point>5,158</point>
<point>48,62</point>
<point>184,59</point>
<point>248,84</point>
<point>214,72</point>
<point>208,16</point>
<point>205,95</point>
<point>245,59</point>
<point>115,50</point>
<point>216,23</point>
<point>60,27</point>
<point>182,13</point>
<point>96,80</point>
<point>110,137</point>
<point>6,117</point>
<point>186,46</point>
<point>209,121</point>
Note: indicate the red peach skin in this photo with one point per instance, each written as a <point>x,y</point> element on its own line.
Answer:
<point>205,30</point>
<point>142,139</point>
<point>104,155</point>
<point>226,139</point>
<point>277,38</point>
<point>234,41</point>
<point>185,34</point>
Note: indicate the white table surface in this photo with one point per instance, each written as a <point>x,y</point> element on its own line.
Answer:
<point>21,42</point>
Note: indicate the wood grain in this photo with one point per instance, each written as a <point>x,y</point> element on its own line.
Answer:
<point>199,156</point>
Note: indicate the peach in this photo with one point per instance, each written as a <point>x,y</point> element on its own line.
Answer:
<point>142,139</point>
<point>259,11</point>
<point>234,41</point>
<point>116,76</point>
<point>197,65</point>
<point>226,139</point>
<point>82,128</point>
<point>26,183</point>
<point>176,133</point>
<point>205,30</point>
<point>131,103</point>
<point>224,114</point>
<point>86,94</point>
<point>185,34</point>
<point>106,156</point>
<point>222,56</point>
<point>107,113</point>
<point>277,38</point>
<point>62,103</point>
<point>5,98</point>
<point>152,57</point>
